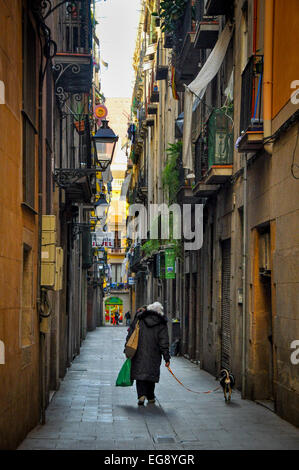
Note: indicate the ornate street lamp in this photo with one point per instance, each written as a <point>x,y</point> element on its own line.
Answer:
<point>100,206</point>
<point>104,144</point>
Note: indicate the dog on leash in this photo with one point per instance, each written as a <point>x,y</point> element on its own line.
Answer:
<point>227,382</point>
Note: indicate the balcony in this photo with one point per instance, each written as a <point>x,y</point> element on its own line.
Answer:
<point>184,194</point>
<point>150,121</point>
<point>161,69</point>
<point>154,94</point>
<point>218,7</point>
<point>119,287</point>
<point>72,65</point>
<point>77,175</point>
<point>251,121</point>
<point>137,147</point>
<point>187,57</point>
<point>142,187</point>
<point>207,29</point>
<point>214,154</point>
<point>117,251</point>
<point>201,189</point>
<point>220,147</point>
<point>151,108</point>
<point>136,264</point>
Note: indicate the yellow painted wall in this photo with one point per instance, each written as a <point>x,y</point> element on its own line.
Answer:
<point>19,377</point>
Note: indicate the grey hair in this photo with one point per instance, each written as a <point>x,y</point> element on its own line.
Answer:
<point>156,307</point>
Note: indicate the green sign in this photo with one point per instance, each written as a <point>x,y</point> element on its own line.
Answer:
<point>113,301</point>
<point>169,263</point>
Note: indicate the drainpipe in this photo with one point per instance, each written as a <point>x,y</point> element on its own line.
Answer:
<point>268,71</point>
<point>244,277</point>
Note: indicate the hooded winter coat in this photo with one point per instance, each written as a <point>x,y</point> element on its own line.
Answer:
<point>153,343</point>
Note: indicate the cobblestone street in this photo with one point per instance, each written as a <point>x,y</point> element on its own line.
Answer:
<point>89,412</point>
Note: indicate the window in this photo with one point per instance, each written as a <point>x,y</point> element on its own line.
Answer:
<point>29,111</point>
<point>116,272</point>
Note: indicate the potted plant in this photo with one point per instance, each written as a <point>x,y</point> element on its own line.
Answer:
<point>79,121</point>
<point>170,12</point>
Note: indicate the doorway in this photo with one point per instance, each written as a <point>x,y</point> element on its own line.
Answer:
<point>263,335</point>
<point>113,307</point>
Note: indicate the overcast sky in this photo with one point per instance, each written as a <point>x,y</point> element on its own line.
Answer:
<point>117,29</point>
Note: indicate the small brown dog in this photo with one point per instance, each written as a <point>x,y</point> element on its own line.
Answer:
<point>227,382</point>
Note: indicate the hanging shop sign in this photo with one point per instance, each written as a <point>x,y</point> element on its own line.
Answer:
<point>103,239</point>
<point>100,112</point>
<point>169,263</point>
<point>131,281</point>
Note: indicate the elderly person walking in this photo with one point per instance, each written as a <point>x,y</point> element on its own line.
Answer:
<point>152,345</point>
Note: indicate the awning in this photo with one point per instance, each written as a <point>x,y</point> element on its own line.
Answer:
<point>198,88</point>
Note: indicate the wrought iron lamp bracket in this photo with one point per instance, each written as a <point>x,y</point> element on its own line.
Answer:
<point>65,177</point>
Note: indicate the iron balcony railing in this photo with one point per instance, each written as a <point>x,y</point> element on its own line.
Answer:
<point>75,27</point>
<point>76,140</point>
<point>252,94</point>
<point>220,138</point>
<point>215,147</point>
<point>136,256</point>
<point>185,26</point>
<point>119,286</point>
<point>76,173</point>
<point>201,165</point>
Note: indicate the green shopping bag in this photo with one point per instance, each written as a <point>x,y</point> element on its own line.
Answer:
<point>124,376</point>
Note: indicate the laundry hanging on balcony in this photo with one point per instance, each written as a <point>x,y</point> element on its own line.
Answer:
<point>198,88</point>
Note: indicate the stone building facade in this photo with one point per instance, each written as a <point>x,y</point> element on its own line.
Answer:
<point>236,297</point>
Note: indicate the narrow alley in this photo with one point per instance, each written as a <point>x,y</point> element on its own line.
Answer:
<point>149,171</point>
<point>89,412</point>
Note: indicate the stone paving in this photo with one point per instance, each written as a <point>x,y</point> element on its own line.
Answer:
<point>89,412</point>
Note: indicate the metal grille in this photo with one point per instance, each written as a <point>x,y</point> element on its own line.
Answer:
<point>225,305</point>
<point>251,100</point>
<point>183,27</point>
<point>201,159</point>
<point>74,27</point>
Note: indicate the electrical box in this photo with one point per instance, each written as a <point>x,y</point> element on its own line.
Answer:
<point>48,237</point>
<point>48,271</point>
<point>59,269</point>
<point>48,251</point>
<point>49,223</point>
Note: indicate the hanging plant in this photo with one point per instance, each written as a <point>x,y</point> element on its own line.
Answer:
<point>170,12</point>
<point>150,247</point>
<point>170,174</point>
